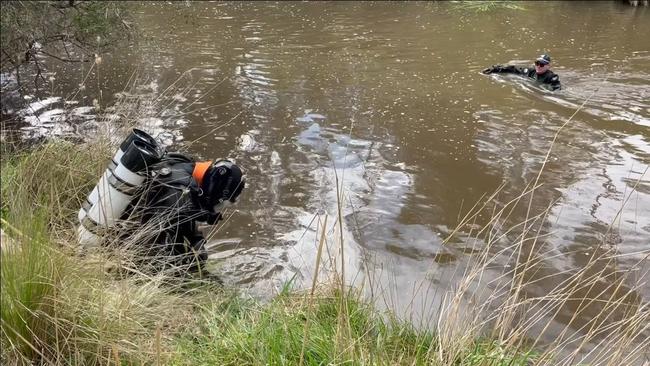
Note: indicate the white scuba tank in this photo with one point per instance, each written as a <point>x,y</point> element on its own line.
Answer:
<point>136,134</point>
<point>124,175</point>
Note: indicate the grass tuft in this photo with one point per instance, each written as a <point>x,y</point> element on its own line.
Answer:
<point>57,307</point>
<point>249,333</point>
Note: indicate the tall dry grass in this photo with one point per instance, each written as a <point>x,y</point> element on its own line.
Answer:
<point>593,313</point>
<point>58,307</point>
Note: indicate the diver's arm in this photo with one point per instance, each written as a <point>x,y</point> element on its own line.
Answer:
<point>213,218</point>
<point>194,237</point>
<point>505,69</point>
<point>554,82</point>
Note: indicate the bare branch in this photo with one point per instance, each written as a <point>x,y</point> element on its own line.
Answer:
<point>11,59</point>
<point>64,59</point>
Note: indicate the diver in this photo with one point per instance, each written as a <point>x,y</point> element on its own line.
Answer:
<point>152,200</point>
<point>181,194</point>
<point>541,71</point>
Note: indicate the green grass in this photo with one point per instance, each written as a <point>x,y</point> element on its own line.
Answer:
<point>29,273</point>
<point>248,333</point>
<point>237,332</point>
<point>58,307</point>
<point>37,200</point>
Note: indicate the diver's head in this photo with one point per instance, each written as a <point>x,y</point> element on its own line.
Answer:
<point>542,64</point>
<point>220,181</point>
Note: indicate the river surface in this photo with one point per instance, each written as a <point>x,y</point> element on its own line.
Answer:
<point>388,98</point>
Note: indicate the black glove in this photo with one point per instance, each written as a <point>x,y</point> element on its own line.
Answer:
<point>213,218</point>
<point>491,69</point>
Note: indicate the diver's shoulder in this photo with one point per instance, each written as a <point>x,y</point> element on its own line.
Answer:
<point>551,76</point>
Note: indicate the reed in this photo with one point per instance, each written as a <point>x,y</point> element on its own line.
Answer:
<point>58,307</point>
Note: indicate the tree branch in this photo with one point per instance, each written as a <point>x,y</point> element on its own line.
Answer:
<point>65,47</point>
<point>63,59</point>
<point>11,59</point>
<point>39,73</point>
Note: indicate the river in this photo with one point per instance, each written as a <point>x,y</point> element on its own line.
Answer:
<point>388,98</point>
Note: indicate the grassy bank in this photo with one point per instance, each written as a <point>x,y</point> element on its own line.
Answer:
<point>56,306</point>
<point>61,307</point>
<point>329,328</point>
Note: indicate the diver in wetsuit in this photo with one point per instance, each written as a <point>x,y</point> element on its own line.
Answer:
<point>541,72</point>
<point>181,193</point>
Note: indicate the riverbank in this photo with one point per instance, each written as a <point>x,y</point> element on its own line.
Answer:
<point>62,308</point>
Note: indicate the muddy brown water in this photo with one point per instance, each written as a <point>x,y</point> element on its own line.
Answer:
<point>389,97</point>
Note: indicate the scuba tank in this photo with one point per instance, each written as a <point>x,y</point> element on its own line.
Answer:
<point>125,173</point>
<point>135,135</point>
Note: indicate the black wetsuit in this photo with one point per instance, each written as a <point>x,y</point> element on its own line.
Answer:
<point>171,207</point>
<point>549,77</point>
